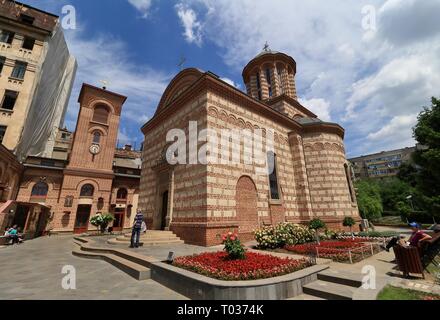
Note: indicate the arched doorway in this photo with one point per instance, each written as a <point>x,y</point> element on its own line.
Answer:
<point>246,207</point>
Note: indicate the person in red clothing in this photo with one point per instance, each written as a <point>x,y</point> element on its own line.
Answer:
<point>418,236</point>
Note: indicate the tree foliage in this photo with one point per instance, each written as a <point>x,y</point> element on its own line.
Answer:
<point>369,199</point>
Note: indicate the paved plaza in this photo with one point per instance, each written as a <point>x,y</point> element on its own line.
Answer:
<point>33,271</point>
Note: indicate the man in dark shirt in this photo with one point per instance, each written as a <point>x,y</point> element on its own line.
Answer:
<point>136,232</point>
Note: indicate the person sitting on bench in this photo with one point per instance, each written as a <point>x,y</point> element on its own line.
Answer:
<point>13,235</point>
<point>418,236</point>
<point>400,240</point>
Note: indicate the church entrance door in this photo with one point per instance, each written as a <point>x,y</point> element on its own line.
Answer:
<point>164,212</point>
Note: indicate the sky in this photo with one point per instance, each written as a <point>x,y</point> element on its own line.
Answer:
<point>369,65</point>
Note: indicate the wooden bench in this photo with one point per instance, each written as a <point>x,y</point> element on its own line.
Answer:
<point>409,260</point>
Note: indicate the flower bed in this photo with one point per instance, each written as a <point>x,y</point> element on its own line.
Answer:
<point>348,250</point>
<point>255,266</point>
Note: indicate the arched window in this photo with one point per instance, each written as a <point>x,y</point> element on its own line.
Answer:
<point>273,177</point>
<point>258,86</point>
<point>40,190</point>
<point>122,194</point>
<point>87,190</point>
<point>100,114</point>
<point>269,81</point>
<point>97,137</point>
<point>280,79</point>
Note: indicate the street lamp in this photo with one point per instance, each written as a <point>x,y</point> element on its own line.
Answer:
<point>409,198</point>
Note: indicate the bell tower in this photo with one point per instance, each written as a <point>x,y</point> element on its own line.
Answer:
<point>96,131</point>
<point>269,75</point>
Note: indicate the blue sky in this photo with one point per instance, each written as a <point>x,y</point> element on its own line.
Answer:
<point>370,65</point>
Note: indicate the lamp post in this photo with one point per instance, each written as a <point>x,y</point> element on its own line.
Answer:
<point>409,198</point>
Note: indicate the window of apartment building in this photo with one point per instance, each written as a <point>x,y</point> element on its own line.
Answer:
<point>9,100</point>
<point>19,70</point>
<point>2,63</point>
<point>27,19</point>
<point>273,177</point>
<point>28,43</point>
<point>2,132</point>
<point>6,36</point>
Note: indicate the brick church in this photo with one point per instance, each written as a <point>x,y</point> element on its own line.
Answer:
<point>199,202</point>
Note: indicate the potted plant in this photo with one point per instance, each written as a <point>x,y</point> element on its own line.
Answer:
<point>349,222</point>
<point>317,224</point>
<point>101,221</point>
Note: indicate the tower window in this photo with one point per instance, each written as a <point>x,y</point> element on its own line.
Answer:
<point>269,81</point>
<point>259,86</point>
<point>19,70</point>
<point>6,36</point>
<point>28,43</point>
<point>2,63</point>
<point>97,137</point>
<point>100,114</point>
<point>2,132</point>
<point>280,78</point>
<point>9,100</point>
<point>273,177</point>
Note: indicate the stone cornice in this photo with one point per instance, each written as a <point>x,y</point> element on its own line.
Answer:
<point>104,174</point>
<point>294,103</point>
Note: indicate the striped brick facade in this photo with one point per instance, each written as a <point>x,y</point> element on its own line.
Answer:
<point>200,202</point>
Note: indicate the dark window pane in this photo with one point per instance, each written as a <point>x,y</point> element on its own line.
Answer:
<point>19,70</point>
<point>28,43</point>
<point>2,133</point>
<point>122,194</point>
<point>273,178</point>
<point>40,190</point>
<point>97,138</point>
<point>27,19</point>
<point>2,63</point>
<point>6,36</point>
<point>87,190</point>
<point>9,100</point>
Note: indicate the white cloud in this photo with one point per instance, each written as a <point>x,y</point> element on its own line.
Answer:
<point>365,82</point>
<point>108,58</point>
<point>188,19</point>
<point>320,107</point>
<point>231,82</point>
<point>143,6</point>
<point>396,126</point>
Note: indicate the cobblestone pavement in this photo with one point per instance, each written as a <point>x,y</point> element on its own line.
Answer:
<point>33,271</point>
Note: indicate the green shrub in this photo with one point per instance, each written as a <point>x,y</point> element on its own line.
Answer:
<point>233,247</point>
<point>102,220</point>
<point>316,224</point>
<point>283,234</point>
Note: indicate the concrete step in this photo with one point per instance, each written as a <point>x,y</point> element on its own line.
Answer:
<point>329,290</point>
<point>153,233</point>
<point>340,277</point>
<point>126,242</point>
<point>149,238</point>
<point>133,269</point>
<point>305,297</point>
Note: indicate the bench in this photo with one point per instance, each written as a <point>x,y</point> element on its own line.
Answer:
<point>409,260</point>
<point>4,241</point>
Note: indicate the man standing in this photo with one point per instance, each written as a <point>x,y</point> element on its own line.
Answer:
<point>137,226</point>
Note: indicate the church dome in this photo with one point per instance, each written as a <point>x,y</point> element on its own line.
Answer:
<point>270,74</point>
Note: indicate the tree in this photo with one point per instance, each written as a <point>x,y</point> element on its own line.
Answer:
<point>369,199</point>
<point>393,191</point>
<point>427,133</point>
<point>317,224</point>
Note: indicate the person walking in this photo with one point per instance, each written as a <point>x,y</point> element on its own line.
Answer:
<point>137,227</point>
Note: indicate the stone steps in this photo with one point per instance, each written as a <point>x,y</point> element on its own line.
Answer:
<point>333,285</point>
<point>306,297</point>
<point>134,269</point>
<point>151,238</point>
<point>329,290</point>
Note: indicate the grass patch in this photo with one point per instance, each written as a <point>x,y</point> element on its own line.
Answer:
<point>394,293</point>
